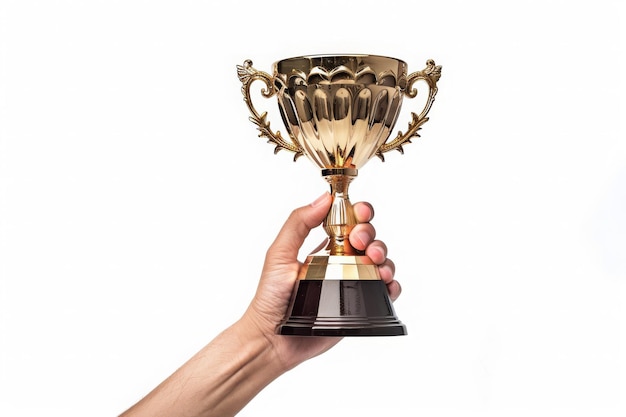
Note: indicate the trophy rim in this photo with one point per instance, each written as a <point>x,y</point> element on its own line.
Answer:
<point>277,63</point>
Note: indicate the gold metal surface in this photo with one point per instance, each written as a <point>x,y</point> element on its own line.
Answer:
<point>323,266</point>
<point>339,111</point>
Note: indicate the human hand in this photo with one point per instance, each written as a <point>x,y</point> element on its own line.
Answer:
<point>228,372</point>
<point>280,271</point>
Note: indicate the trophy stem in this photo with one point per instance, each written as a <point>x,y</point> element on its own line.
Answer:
<point>340,219</point>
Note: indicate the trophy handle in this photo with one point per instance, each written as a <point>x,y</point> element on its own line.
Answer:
<point>430,75</point>
<point>247,75</point>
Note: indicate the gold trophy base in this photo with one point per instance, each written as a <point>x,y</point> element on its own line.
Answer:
<point>324,303</point>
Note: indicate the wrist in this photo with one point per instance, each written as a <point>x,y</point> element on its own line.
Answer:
<point>259,343</point>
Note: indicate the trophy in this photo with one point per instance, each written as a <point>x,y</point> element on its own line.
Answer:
<point>339,111</point>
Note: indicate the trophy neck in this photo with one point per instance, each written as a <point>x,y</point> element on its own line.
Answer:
<point>340,219</point>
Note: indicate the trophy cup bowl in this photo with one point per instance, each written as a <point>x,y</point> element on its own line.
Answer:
<point>339,111</point>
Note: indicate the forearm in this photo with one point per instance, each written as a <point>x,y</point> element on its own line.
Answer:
<point>218,381</point>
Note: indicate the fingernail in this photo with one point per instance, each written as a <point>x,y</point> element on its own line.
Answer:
<point>362,238</point>
<point>385,270</point>
<point>319,200</point>
<point>381,254</point>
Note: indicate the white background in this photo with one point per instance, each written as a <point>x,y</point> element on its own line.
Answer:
<point>137,203</point>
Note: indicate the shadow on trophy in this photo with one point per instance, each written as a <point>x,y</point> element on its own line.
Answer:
<point>339,111</point>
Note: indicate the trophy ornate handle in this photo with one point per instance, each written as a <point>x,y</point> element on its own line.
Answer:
<point>247,75</point>
<point>430,75</point>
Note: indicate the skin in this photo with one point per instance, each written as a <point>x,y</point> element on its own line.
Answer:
<point>242,360</point>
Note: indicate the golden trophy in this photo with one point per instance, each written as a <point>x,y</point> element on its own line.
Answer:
<point>339,111</point>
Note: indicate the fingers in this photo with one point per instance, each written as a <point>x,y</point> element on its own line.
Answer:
<point>363,211</point>
<point>297,227</point>
<point>377,251</point>
<point>363,237</point>
<point>387,271</point>
<point>394,290</point>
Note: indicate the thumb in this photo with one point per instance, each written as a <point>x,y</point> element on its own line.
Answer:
<point>297,227</point>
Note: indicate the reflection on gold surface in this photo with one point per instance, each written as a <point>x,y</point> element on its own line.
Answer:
<point>339,111</point>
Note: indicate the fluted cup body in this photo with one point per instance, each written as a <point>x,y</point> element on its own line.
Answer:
<point>340,108</point>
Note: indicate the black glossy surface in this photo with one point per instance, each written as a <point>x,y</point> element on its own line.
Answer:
<point>341,308</point>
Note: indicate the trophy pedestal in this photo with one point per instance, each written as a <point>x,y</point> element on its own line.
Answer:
<point>343,307</point>
<point>324,303</point>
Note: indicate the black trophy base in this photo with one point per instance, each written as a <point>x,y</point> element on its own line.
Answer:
<point>338,307</point>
